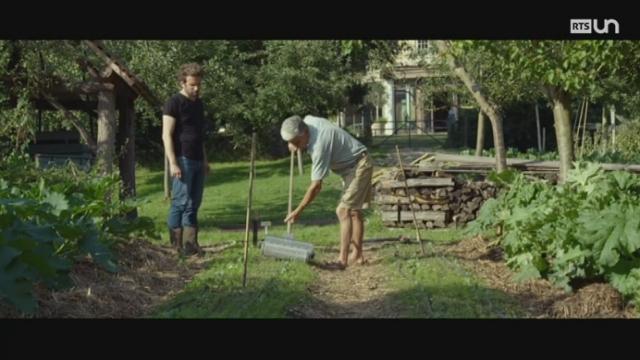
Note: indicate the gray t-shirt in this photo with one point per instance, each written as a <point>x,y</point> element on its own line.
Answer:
<point>331,148</point>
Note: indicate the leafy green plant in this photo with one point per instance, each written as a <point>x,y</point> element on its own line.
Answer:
<point>49,219</point>
<point>587,228</point>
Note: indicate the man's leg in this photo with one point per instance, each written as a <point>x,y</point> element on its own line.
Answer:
<point>178,203</point>
<point>195,187</point>
<point>357,236</point>
<point>345,234</point>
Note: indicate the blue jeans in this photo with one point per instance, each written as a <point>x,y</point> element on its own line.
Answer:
<point>186,194</point>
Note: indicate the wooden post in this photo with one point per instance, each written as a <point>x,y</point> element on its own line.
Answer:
<point>249,198</point>
<point>612,113</point>
<point>106,131</point>
<point>538,129</point>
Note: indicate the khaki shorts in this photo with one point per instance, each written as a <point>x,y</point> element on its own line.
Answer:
<point>357,188</point>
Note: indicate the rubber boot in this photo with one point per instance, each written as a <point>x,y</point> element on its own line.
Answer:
<point>175,237</point>
<point>190,236</point>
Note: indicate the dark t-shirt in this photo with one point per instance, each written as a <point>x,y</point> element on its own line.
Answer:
<point>189,130</point>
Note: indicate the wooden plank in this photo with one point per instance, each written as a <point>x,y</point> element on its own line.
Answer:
<point>418,183</point>
<point>465,161</point>
<point>123,71</point>
<point>436,216</point>
<point>393,200</point>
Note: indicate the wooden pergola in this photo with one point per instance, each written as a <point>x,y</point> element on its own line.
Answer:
<point>110,93</point>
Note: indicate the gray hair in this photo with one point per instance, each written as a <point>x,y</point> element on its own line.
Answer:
<point>292,127</point>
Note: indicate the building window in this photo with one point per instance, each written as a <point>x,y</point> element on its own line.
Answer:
<point>423,44</point>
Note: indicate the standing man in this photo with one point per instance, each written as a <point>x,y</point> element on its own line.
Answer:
<point>333,148</point>
<point>182,135</point>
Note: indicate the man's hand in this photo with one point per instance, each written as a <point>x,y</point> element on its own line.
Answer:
<point>292,147</point>
<point>292,217</point>
<point>175,170</point>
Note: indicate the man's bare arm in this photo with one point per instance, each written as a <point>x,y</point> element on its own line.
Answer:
<point>312,191</point>
<point>168,126</point>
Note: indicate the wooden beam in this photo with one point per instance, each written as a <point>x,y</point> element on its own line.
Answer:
<point>127,75</point>
<point>92,87</point>
<point>88,66</point>
<point>436,216</point>
<point>74,121</point>
<point>431,182</point>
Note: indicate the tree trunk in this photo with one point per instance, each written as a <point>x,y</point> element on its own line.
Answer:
<point>486,105</point>
<point>480,134</point>
<point>562,120</point>
<point>106,131</point>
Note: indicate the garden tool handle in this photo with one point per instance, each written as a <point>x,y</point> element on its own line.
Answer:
<point>293,153</point>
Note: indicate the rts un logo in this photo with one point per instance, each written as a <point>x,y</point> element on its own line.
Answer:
<point>588,26</point>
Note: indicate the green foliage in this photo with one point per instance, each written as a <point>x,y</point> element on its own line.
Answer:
<point>570,65</point>
<point>376,95</point>
<point>248,85</point>
<point>586,228</point>
<point>628,139</point>
<point>49,219</point>
<point>530,154</point>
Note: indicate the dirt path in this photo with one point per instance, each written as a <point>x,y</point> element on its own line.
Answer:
<point>359,291</point>
<point>363,291</point>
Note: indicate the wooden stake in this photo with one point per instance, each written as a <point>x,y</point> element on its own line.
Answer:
<point>246,232</point>
<point>413,212</point>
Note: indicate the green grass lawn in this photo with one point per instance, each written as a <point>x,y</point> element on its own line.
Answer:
<point>426,287</point>
<point>225,200</point>
<point>440,287</point>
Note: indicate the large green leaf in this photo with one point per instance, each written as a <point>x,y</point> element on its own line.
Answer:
<point>17,289</point>
<point>91,244</point>
<point>7,254</point>
<point>57,201</point>
<point>632,230</point>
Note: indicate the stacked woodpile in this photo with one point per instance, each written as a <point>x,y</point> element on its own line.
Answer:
<point>439,193</point>
<point>438,198</point>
